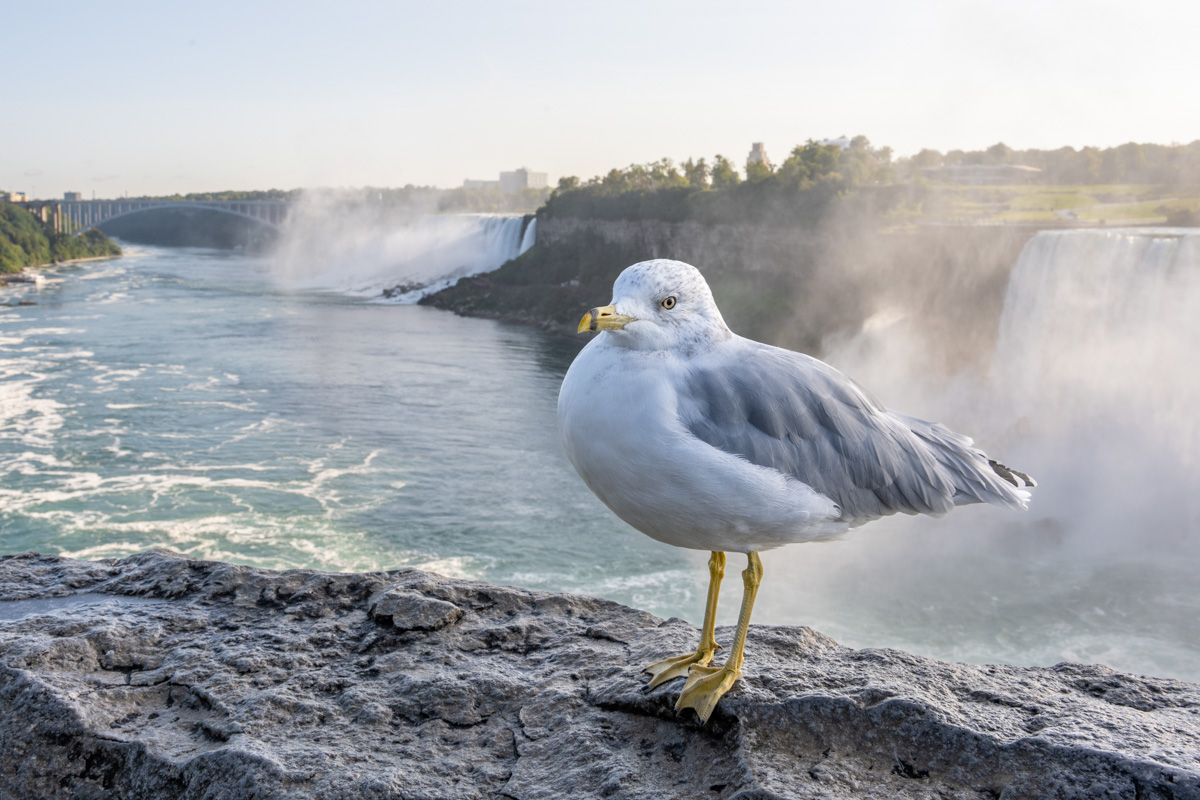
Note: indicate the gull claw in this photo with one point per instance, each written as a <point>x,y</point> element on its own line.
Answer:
<point>705,686</point>
<point>677,666</point>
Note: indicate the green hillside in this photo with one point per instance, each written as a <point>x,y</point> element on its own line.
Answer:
<point>26,242</point>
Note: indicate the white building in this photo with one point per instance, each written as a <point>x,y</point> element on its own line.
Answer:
<point>523,178</point>
<point>511,182</point>
<point>842,142</point>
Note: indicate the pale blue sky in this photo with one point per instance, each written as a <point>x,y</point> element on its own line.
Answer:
<point>156,97</point>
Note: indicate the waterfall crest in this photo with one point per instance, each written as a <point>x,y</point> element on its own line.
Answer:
<point>1096,322</point>
<point>397,261</point>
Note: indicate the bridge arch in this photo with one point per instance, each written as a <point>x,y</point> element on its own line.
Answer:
<point>87,214</point>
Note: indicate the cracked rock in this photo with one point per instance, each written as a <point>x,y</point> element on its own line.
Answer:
<point>159,676</point>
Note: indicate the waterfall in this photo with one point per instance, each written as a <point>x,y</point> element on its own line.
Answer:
<point>1096,368</point>
<point>397,262</point>
<point>441,249</point>
<point>1096,322</point>
<point>1092,387</point>
<point>530,236</point>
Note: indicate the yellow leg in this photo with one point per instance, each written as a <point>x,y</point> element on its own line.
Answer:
<point>677,667</point>
<point>706,684</point>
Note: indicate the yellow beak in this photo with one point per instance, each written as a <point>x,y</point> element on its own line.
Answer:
<point>603,319</point>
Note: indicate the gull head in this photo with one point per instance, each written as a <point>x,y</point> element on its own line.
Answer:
<point>659,305</point>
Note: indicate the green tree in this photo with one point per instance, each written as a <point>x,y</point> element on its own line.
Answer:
<point>665,175</point>
<point>696,173</point>
<point>1130,159</point>
<point>927,159</point>
<point>999,153</point>
<point>25,241</point>
<point>724,174</point>
<point>1091,163</point>
<point>616,182</point>
<point>757,171</point>
<point>810,162</point>
<point>1183,217</point>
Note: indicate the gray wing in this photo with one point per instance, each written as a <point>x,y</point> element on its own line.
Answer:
<point>793,413</point>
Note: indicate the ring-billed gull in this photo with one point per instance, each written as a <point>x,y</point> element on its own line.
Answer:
<point>703,439</point>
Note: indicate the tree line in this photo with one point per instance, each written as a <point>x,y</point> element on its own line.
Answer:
<point>797,190</point>
<point>25,241</point>
<point>814,176</point>
<point>227,196</point>
<point>461,200</point>
<point>1167,165</point>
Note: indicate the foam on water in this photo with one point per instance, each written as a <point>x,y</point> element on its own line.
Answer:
<point>88,474</point>
<point>25,417</point>
<point>219,416</point>
<point>227,421</point>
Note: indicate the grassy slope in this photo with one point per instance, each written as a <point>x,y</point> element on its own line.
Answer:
<point>1035,204</point>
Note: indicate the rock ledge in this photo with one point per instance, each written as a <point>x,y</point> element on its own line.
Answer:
<point>158,676</point>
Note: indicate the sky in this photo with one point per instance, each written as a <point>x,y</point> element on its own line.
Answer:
<point>136,98</point>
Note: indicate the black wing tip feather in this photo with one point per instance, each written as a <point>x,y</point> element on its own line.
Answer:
<point>1018,479</point>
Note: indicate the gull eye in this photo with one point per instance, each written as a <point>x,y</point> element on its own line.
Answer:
<point>669,303</point>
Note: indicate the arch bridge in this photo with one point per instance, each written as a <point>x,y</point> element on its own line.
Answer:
<point>76,216</point>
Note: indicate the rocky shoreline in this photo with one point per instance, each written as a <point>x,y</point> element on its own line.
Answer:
<point>159,676</point>
<point>793,288</point>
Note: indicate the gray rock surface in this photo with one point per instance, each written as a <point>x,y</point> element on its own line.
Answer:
<point>158,676</point>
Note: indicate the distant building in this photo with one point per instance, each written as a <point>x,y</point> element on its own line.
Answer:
<point>72,197</point>
<point>981,174</point>
<point>523,178</point>
<point>511,182</point>
<point>758,155</point>
<point>13,197</point>
<point>842,143</point>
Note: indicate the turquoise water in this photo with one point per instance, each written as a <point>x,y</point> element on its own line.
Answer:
<point>188,399</point>
<point>180,398</point>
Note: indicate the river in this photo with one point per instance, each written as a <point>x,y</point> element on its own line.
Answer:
<point>193,399</point>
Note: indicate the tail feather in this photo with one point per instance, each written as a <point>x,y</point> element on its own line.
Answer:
<point>1017,479</point>
<point>976,478</point>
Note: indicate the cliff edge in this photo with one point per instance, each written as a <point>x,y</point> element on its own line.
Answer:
<point>159,676</point>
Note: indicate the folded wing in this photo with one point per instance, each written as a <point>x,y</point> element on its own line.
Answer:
<point>795,414</point>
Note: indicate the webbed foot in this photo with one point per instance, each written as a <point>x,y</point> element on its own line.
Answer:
<point>705,686</point>
<point>677,667</point>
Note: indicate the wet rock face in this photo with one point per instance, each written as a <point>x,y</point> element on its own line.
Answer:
<point>158,676</point>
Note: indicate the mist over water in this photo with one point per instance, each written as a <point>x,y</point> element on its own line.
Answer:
<point>204,401</point>
<point>1092,389</point>
<point>343,242</point>
<point>1108,393</point>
